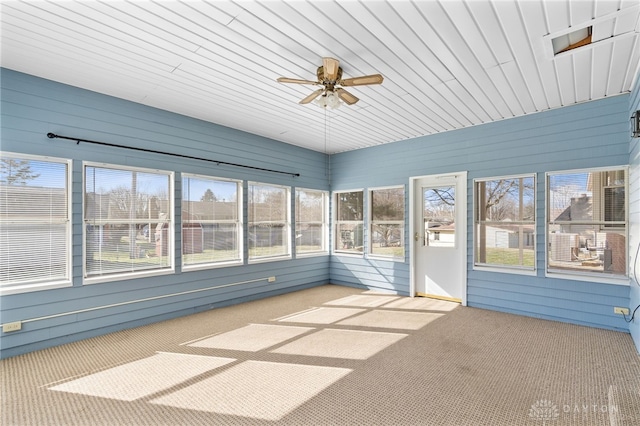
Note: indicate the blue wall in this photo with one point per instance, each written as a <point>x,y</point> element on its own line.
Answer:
<point>591,134</point>
<point>32,107</point>
<point>634,218</point>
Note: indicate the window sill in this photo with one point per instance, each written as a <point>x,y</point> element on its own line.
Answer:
<point>126,276</point>
<point>348,253</point>
<point>205,266</point>
<point>269,259</point>
<point>514,271</point>
<point>386,258</point>
<point>598,279</point>
<point>28,288</point>
<point>312,254</point>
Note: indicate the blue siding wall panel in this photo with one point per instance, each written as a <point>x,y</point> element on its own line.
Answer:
<point>591,134</point>
<point>634,218</point>
<point>32,107</point>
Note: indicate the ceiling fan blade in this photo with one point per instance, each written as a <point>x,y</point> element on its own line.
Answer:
<point>311,96</point>
<point>346,97</point>
<point>361,81</point>
<point>331,67</point>
<point>295,81</point>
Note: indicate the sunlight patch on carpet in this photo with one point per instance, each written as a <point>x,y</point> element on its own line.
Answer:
<point>144,377</point>
<point>256,389</point>
<point>348,344</point>
<point>392,319</point>
<point>252,338</point>
<point>422,304</point>
<point>322,315</point>
<point>363,300</point>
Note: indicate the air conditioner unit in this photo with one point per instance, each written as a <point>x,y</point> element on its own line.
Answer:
<point>562,246</point>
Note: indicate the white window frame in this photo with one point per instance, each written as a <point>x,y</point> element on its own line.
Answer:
<point>44,284</point>
<point>324,245</point>
<point>577,275</point>
<point>238,225</point>
<point>336,224</point>
<point>287,225</point>
<point>373,223</point>
<point>120,276</point>
<point>490,267</point>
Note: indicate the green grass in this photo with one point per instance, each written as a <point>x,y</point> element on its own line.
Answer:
<point>388,251</point>
<point>510,257</point>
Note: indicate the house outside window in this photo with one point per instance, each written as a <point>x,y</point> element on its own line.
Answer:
<point>35,223</point>
<point>505,222</point>
<point>311,221</point>
<point>211,224</point>
<point>128,222</point>
<point>387,222</point>
<point>349,222</point>
<point>587,222</point>
<point>269,222</point>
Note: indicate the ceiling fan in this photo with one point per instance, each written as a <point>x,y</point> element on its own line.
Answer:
<point>330,77</point>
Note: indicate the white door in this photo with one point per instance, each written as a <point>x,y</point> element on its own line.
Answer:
<point>439,236</point>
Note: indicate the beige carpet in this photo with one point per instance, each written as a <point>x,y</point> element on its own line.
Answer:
<point>332,356</point>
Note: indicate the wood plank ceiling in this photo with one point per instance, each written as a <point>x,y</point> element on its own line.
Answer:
<point>446,64</point>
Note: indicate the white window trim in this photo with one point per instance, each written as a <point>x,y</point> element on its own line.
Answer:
<point>325,225</point>
<point>171,230</point>
<point>369,251</point>
<point>515,270</point>
<point>275,258</point>
<point>334,226</point>
<point>239,198</point>
<point>580,275</point>
<point>68,282</point>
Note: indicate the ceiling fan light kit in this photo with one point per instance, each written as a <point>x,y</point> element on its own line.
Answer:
<point>329,75</point>
<point>328,99</point>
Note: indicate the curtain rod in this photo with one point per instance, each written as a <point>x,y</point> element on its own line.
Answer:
<point>53,135</point>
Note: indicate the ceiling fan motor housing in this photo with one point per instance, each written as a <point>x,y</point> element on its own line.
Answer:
<point>321,79</point>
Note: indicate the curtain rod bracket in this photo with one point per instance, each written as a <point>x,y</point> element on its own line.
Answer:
<point>153,151</point>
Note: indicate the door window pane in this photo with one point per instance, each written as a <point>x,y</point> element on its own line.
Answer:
<point>439,213</point>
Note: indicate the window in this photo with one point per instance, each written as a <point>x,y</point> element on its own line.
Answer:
<point>128,218</point>
<point>269,221</point>
<point>439,216</point>
<point>35,223</point>
<point>311,221</point>
<point>505,222</point>
<point>587,222</point>
<point>387,222</point>
<point>349,225</point>
<point>211,225</point>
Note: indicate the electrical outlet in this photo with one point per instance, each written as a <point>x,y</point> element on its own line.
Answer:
<point>272,279</point>
<point>11,326</point>
<point>621,311</point>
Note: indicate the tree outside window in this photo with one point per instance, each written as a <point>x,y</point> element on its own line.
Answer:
<point>269,221</point>
<point>349,228</point>
<point>387,222</point>
<point>505,222</point>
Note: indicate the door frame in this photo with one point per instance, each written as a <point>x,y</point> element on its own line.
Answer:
<point>462,236</point>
